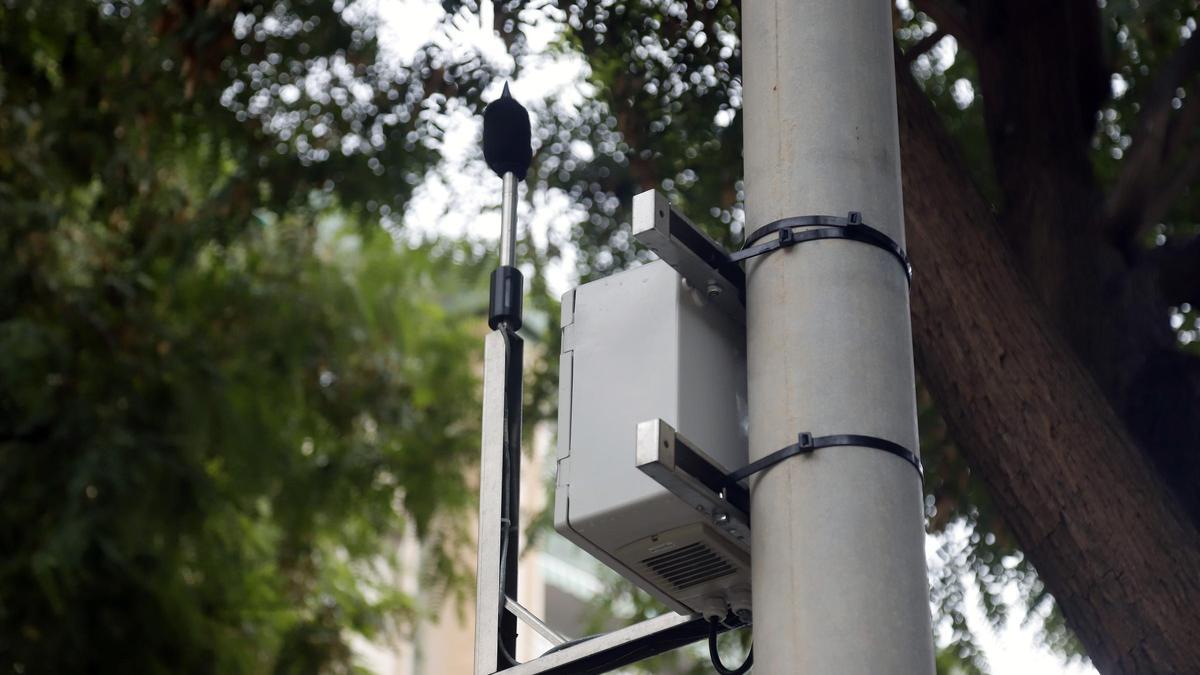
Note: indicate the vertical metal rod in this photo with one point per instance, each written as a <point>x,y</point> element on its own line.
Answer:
<point>838,539</point>
<point>506,144</point>
<point>508,221</point>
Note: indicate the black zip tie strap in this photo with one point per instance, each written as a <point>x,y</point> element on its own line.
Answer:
<point>807,444</point>
<point>851,227</point>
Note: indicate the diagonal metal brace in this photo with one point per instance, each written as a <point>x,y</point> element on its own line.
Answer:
<point>603,653</point>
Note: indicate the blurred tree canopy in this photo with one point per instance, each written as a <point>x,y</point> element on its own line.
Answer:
<point>221,378</point>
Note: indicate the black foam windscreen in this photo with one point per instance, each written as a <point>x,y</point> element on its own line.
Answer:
<point>506,136</point>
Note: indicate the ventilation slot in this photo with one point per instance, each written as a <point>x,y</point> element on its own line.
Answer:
<point>693,564</point>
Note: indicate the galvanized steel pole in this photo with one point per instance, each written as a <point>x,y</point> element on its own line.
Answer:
<point>838,536</point>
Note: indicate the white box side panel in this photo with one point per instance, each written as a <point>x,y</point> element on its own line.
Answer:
<point>713,412</point>
<point>640,345</point>
<point>625,370</point>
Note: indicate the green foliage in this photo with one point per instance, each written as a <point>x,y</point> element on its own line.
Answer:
<point>953,87</point>
<point>225,392</point>
<point>663,115</point>
<point>205,470</point>
<point>1141,38</point>
<point>950,662</point>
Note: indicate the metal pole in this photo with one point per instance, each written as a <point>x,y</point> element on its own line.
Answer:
<point>507,151</point>
<point>489,596</point>
<point>508,221</point>
<point>838,536</point>
<point>500,468</point>
<point>499,502</point>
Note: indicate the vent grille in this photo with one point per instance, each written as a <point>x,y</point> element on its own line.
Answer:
<point>693,564</point>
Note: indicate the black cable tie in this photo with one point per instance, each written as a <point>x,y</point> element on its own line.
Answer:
<point>786,238</point>
<point>806,444</point>
<point>851,227</point>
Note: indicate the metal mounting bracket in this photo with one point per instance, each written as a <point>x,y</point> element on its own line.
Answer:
<point>602,653</point>
<point>704,263</point>
<point>688,473</point>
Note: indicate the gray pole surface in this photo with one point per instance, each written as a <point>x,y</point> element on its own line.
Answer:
<point>838,536</point>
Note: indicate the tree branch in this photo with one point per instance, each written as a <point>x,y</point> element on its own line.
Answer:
<point>1158,134</point>
<point>950,16</point>
<point>1178,267</point>
<point>1084,502</point>
<point>1043,74</point>
<point>1175,181</point>
<point>923,45</point>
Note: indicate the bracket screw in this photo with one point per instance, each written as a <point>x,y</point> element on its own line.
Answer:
<point>714,289</point>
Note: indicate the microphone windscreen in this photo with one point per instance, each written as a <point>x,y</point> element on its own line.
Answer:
<point>507,136</point>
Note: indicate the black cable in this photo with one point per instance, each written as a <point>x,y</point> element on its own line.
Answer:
<point>715,656</point>
<point>506,522</point>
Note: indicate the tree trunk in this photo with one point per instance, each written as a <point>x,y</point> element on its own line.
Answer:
<point>1044,76</point>
<point>1119,553</point>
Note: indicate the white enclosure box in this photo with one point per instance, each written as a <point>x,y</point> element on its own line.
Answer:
<point>636,346</point>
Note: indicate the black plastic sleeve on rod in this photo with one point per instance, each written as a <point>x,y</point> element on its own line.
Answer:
<point>504,300</point>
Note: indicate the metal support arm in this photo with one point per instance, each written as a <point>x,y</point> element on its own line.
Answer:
<point>609,651</point>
